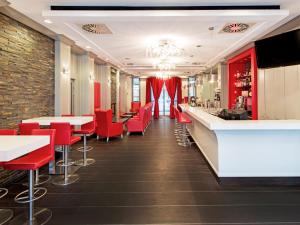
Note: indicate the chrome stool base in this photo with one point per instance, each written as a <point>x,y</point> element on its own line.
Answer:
<point>88,148</point>
<point>41,217</point>
<point>23,197</point>
<point>85,162</point>
<point>62,180</point>
<point>5,215</point>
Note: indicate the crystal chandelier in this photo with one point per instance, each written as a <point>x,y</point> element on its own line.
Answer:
<point>164,65</point>
<point>164,49</point>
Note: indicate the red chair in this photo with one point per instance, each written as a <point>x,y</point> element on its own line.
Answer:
<point>8,132</point>
<point>32,162</point>
<point>85,131</point>
<point>138,124</point>
<point>65,139</point>
<point>69,115</point>
<point>6,214</point>
<point>135,107</point>
<point>26,128</point>
<point>105,126</point>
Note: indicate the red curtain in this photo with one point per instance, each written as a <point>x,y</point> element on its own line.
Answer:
<point>148,90</point>
<point>171,88</point>
<point>179,90</point>
<point>157,85</point>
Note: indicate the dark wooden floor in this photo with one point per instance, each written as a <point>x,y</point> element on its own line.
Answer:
<point>151,180</point>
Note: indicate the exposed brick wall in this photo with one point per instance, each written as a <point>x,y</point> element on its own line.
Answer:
<point>26,76</point>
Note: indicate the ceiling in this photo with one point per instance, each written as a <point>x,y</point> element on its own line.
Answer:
<point>133,31</point>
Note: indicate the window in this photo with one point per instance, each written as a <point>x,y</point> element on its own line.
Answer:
<point>192,87</point>
<point>136,89</point>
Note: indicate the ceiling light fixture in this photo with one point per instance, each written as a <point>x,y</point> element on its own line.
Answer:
<point>48,21</point>
<point>164,65</point>
<point>88,47</point>
<point>164,49</point>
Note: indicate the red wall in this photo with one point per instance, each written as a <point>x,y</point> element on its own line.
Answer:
<point>97,95</point>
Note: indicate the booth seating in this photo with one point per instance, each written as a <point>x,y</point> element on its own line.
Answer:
<point>85,131</point>
<point>105,127</point>
<point>26,129</point>
<point>135,107</point>
<point>5,214</point>
<point>64,139</point>
<point>141,122</point>
<point>181,131</point>
<point>30,163</point>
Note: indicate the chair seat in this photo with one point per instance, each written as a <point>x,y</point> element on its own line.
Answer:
<point>32,161</point>
<point>74,139</point>
<point>184,118</point>
<point>84,131</point>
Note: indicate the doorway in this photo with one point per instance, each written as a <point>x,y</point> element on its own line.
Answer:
<point>164,102</point>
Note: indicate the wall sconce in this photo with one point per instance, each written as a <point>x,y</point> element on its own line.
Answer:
<point>109,81</point>
<point>92,77</point>
<point>65,71</point>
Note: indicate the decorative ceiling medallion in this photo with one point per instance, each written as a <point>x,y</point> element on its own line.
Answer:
<point>96,28</point>
<point>235,28</point>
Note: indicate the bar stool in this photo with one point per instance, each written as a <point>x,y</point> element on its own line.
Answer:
<point>65,139</point>
<point>26,129</point>
<point>85,131</point>
<point>69,115</point>
<point>5,214</point>
<point>184,120</point>
<point>31,162</point>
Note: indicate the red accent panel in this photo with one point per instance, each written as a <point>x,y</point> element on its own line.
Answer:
<point>97,96</point>
<point>238,63</point>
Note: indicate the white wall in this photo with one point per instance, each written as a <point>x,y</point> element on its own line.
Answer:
<point>279,93</point>
<point>185,89</point>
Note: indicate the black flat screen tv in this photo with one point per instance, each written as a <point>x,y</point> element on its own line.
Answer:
<point>279,50</point>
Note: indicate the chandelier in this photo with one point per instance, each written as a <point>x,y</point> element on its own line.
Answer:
<point>162,75</point>
<point>164,65</point>
<point>164,49</point>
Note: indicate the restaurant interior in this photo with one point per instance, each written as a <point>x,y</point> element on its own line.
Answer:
<point>140,112</point>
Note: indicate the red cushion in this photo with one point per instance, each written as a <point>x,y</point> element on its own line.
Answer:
<point>85,131</point>
<point>33,161</point>
<point>75,139</point>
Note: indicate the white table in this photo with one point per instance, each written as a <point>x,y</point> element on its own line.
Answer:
<point>73,120</point>
<point>15,146</point>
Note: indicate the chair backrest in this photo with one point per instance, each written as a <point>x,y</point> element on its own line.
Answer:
<point>91,125</point>
<point>26,128</point>
<point>63,133</point>
<point>49,149</point>
<point>8,132</point>
<point>135,106</point>
<point>104,119</point>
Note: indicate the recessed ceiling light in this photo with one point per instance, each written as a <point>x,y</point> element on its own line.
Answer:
<point>47,21</point>
<point>127,58</point>
<point>211,28</point>
<point>198,46</point>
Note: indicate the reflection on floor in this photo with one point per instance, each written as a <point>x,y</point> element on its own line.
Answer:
<point>151,180</point>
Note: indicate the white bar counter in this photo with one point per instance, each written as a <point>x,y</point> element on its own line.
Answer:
<point>247,148</point>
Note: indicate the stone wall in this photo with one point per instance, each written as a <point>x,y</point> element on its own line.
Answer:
<point>26,75</point>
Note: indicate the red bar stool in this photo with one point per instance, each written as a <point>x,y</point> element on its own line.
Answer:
<point>65,139</point>
<point>183,119</point>
<point>85,131</point>
<point>32,162</point>
<point>5,214</point>
<point>26,129</point>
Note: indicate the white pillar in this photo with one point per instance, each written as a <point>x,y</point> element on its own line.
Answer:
<point>62,78</point>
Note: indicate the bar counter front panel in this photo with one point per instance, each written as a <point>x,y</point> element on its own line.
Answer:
<point>247,148</point>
